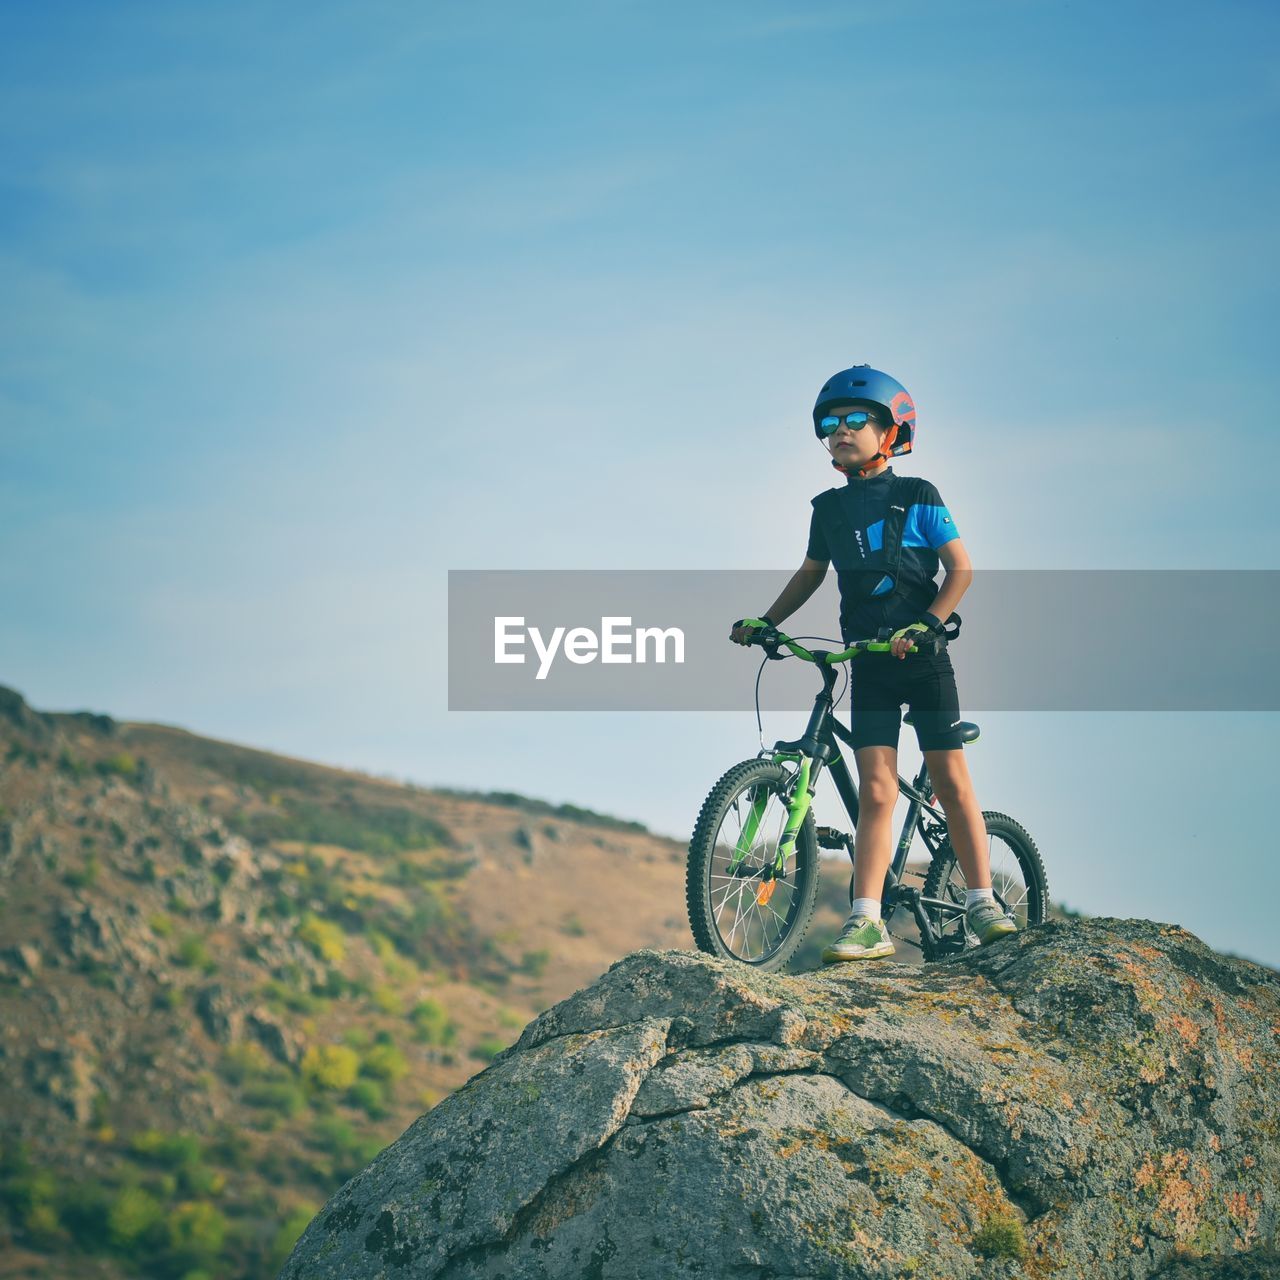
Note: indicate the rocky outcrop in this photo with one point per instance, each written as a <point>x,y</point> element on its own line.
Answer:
<point>66,1073</point>
<point>280,1041</point>
<point>38,726</point>
<point>1086,1099</point>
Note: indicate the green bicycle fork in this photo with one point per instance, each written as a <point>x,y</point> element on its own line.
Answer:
<point>802,796</point>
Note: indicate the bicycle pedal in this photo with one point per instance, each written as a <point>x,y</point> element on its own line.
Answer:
<point>832,838</point>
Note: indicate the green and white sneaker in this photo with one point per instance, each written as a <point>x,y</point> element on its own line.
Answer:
<point>861,939</point>
<point>989,922</point>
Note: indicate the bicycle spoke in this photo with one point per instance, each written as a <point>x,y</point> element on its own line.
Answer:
<point>748,928</point>
<point>1008,883</point>
<point>737,916</point>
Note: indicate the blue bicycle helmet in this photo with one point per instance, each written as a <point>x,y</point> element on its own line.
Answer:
<point>862,382</point>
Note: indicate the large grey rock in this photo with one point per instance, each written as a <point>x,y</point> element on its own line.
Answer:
<point>1086,1099</point>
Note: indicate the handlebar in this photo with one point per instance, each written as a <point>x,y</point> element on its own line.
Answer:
<point>771,639</point>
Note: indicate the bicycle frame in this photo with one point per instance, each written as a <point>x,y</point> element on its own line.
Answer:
<point>817,748</point>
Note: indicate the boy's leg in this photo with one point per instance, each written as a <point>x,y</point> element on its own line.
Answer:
<point>873,839</point>
<point>876,719</point>
<point>949,774</point>
<point>935,712</point>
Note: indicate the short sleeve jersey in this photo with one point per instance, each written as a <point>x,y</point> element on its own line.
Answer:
<point>929,524</point>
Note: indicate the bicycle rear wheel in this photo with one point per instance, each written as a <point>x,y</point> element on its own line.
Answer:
<point>740,906</point>
<point>1018,878</point>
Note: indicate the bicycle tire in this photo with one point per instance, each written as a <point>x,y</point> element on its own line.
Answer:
<point>945,863</point>
<point>700,868</point>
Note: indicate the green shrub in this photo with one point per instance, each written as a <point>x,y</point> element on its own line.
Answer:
<point>398,969</point>
<point>169,1150</point>
<point>122,764</point>
<point>196,1231</point>
<point>192,953</point>
<point>71,765</point>
<point>84,1207</point>
<point>324,937</point>
<point>230,1148</point>
<point>31,1197</point>
<point>382,946</point>
<point>334,988</point>
<point>200,1180</point>
<point>291,996</point>
<point>133,1215</point>
<point>248,1061</point>
<point>388,1000</point>
<point>432,1023</point>
<point>572,927</point>
<point>534,963</point>
<point>331,1066</point>
<point>370,1097</point>
<point>98,973</point>
<point>357,1037</point>
<point>27,1186</point>
<point>160,924</point>
<point>284,1097</point>
<point>42,1224</point>
<point>1001,1236</point>
<point>80,877</point>
<point>385,1062</point>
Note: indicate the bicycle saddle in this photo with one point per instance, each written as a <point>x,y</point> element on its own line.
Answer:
<point>968,730</point>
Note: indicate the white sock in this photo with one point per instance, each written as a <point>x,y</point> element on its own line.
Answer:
<point>973,896</point>
<point>866,907</point>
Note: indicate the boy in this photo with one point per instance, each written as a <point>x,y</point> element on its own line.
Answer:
<point>864,417</point>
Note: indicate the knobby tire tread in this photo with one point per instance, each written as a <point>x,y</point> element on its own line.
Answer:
<point>702,849</point>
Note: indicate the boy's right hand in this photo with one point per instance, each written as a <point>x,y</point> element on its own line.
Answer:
<point>745,628</point>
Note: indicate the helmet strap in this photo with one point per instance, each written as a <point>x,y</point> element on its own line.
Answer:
<point>882,456</point>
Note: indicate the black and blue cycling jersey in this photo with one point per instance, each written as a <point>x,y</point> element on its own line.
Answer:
<point>855,543</point>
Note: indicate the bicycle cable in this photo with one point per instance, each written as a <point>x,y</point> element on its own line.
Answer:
<point>835,702</point>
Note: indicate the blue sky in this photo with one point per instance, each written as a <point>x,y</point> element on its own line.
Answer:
<point>305,305</point>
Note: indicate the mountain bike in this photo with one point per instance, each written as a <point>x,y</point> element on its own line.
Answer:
<point>751,882</point>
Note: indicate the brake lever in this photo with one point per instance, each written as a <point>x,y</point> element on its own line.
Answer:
<point>770,642</point>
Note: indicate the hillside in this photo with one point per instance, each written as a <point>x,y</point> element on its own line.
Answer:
<point>228,978</point>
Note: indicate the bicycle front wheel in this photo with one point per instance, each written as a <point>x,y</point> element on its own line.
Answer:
<point>742,906</point>
<point>1018,878</point>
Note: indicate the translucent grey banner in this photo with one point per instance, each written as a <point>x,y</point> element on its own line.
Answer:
<point>1032,640</point>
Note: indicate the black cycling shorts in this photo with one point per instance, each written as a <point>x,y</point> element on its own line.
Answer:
<point>880,684</point>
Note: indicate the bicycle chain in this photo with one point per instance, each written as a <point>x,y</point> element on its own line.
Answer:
<point>911,942</point>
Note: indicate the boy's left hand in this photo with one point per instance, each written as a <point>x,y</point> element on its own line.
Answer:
<point>920,634</point>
